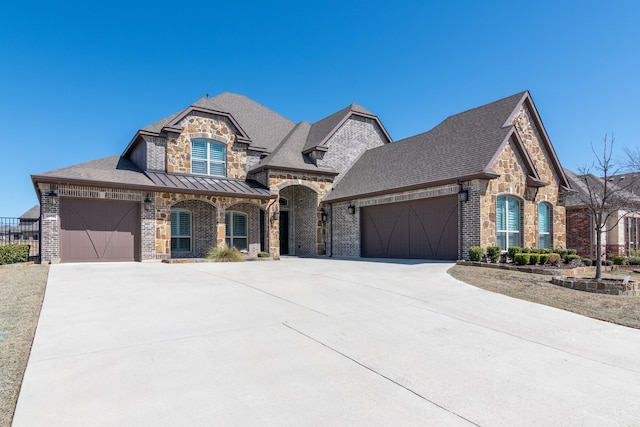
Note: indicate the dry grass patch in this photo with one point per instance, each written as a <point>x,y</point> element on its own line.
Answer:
<point>538,288</point>
<point>21,294</point>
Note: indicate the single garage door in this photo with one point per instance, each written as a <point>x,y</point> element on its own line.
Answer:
<point>99,230</point>
<point>424,229</point>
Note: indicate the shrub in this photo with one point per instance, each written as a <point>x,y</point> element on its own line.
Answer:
<point>263,254</point>
<point>634,260</point>
<point>225,254</point>
<point>525,250</point>
<point>587,262</point>
<point>561,252</point>
<point>607,262</point>
<point>570,257</point>
<point>513,250</point>
<point>619,260</point>
<point>572,251</point>
<point>534,258</point>
<point>543,258</point>
<point>522,259</point>
<point>11,254</point>
<point>475,253</point>
<point>493,253</point>
<point>554,259</point>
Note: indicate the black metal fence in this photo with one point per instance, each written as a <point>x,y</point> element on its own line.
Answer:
<point>21,231</point>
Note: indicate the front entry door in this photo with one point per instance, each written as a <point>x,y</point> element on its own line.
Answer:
<point>284,233</point>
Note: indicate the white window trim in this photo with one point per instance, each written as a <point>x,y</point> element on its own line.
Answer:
<point>230,232</point>
<point>549,222</point>
<point>507,231</point>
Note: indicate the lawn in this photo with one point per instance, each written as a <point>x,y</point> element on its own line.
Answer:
<point>21,294</point>
<point>538,288</point>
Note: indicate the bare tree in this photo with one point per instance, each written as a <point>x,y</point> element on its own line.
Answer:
<point>608,195</point>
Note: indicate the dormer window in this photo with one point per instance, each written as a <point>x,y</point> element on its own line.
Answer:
<point>208,157</point>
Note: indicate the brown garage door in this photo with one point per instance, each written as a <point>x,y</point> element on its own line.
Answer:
<point>424,229</point>
<point>99,230</point>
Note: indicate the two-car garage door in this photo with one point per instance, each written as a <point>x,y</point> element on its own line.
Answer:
<point>423,229</point>
<point>99,230</point>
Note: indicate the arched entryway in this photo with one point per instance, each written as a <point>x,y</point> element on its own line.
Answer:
<point>298,221</point>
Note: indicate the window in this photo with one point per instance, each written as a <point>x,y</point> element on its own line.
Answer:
<point>545,228</point>
<point>508,222</point>
<point>633,225</point>
<point>180,230</point>
<point>208,157</point>
<point>236,235</point>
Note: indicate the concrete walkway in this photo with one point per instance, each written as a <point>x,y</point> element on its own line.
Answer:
<point>315,342</point>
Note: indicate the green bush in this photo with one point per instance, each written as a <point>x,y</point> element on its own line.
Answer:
<point>543,258</point>
<point>619,260</point>
<point>561,252</point>
<point>607,262</point>
<point>570,257</point>
<point>475,253</point>
<point>572,251</point>
<point>522,259</point>
<point>11,254</point>
<point>512,251</point>
<point>493,253</point>
<point>634,260</point>
<point>554,259</point>
<point>534,258</point>
<point>263,254</point>
<point>225,254</point>
<point>587,262</point>
<point>525,250</point>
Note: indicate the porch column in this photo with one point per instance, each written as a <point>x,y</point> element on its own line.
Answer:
<point>274,231</point>
<point>221,228</point>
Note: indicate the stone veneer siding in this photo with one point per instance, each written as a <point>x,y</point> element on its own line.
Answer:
<point>512,181</point>
<point>194,127</point>
<point>304,191</point>
<point>164,202</point>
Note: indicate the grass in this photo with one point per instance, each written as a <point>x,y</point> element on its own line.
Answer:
<point>225,254</point>
<point>21,293</point>
<point>538,288</point>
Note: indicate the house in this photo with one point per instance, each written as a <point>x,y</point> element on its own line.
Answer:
<point>227,170</point>
<point>621,232</point>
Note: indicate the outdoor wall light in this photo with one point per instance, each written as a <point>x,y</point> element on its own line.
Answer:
<point>324,216</point>
<point>276,215</point>
<point>52,193</point>
<point>463,195</point>
<point>351,209</point>
<point>147,203</point>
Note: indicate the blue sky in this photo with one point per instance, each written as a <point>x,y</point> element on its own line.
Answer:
<point>78,79</point>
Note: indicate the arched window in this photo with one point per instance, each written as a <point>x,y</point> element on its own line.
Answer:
<point>208,157</point>
<point>180,230</point>
<point>236,235</point>
<point>508,224</point>
<point>545,226</point>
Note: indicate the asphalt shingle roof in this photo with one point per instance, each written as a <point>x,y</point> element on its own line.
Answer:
<point>462,145</point>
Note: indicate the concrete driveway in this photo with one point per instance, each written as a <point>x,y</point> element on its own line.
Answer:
<point>315,342</point>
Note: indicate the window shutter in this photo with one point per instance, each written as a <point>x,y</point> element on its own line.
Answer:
<point>543,218</point>
<point>185,224</point>
<point>217,152</point>
<point>501,223</point>
<point>239,225</point>
<point>174,223</point>
<point>513,215</point>
<point>227,224</point>
<point>199,150</point>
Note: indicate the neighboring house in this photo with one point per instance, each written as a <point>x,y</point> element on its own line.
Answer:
<point>621,233</point>
<point>22,230</point>
<point>228,170</point>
